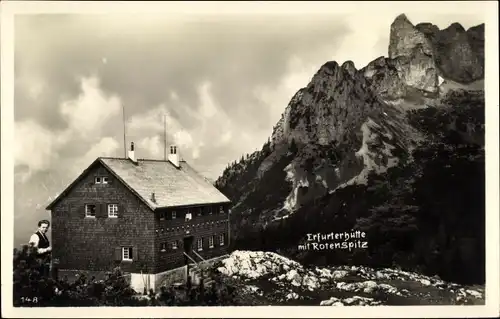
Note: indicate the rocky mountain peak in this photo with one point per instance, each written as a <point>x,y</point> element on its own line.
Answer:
<point>349,67</point>
<point>421,57</point>
<point>413,56</point>
<point>428,29</point>
<point>404,37</point>
<point>452,53</point>
<point>401,20</point>
<point>320,113</point>
<point>456,27</point>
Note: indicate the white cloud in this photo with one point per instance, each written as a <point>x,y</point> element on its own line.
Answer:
<point>209,124</point>
<point>107,146</point>
<point>151,145</point>
<point>298,76</point>
<point>152,123</point>
<point>33,85</point>
<point>207,107</point>
<point>37,148</point>
<point>226,137</point>
<point>183,139</point>
<point>87,114</point>
<point>174,96</point>
<point>196,153</point>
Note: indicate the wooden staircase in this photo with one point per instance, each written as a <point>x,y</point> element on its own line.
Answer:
<point>196,273</point>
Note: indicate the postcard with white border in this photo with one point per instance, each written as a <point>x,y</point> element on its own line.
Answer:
<point>249,159</point>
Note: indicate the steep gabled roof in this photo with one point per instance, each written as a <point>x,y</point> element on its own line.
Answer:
<point>172,186</point>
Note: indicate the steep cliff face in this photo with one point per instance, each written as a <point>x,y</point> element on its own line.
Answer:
<point>413,56</point>
<point>348,123</point>
<point>332,133</point>
<point>422,57</point>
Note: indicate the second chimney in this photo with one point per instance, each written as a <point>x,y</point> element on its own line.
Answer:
<point>173,156</point>
<point>131,153</point>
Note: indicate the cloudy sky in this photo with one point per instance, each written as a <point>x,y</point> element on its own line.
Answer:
<point>222,82</point>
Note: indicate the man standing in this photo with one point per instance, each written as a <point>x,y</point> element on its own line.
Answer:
<point>41,243</point>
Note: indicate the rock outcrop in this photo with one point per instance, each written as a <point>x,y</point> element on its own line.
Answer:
<point>459,53</point>
<point>385,79</point>
<point>413,55</point>
<point>287,280</point>
<point>421,57</point>
<point>331,105</point>
<point>338,121</point>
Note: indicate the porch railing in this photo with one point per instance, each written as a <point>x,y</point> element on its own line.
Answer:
<point>198,255</point>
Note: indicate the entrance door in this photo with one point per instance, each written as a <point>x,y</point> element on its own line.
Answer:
<point>188,247</point>
<point>188,244</point>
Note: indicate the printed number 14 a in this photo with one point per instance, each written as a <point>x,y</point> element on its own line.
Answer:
<point>29,300</point>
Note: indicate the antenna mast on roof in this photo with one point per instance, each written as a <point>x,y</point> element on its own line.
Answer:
<point>124,132</point>
<point>165,135</point>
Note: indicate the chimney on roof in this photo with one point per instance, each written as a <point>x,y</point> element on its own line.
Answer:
<point>173,156</point>
<point>131,153</point>
<point>153,198</point>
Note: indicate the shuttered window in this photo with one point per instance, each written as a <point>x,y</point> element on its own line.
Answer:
<point>127,253</point>
<point>112,210</point>
<point>90,210</point>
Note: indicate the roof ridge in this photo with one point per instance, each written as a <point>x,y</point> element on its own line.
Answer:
<point>112,157</point>
<point>173,187</point>
<point>139,159</point>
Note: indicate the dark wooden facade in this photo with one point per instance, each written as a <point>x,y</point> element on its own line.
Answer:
<point>203,224</point>
<point>95,243</point>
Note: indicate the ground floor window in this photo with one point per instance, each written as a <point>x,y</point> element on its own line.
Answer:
<point>126,253</point>
<point>211,242</point>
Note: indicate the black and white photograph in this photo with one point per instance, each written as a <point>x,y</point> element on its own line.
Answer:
<point>234,155</point>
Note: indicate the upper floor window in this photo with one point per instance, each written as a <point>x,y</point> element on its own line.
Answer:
<point>211,242</point>
<point>188,217</point>
<point>221,209</point>
<point>200,244</point>
<point>101,180</point>
<point>112,210</point>
<point>221,239</point>
<point>161,215</point>
<point>174,214</point>
<point>209,210</point>
<point>174,244</point>
<point>89,210</point>
<point>200,211</point>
